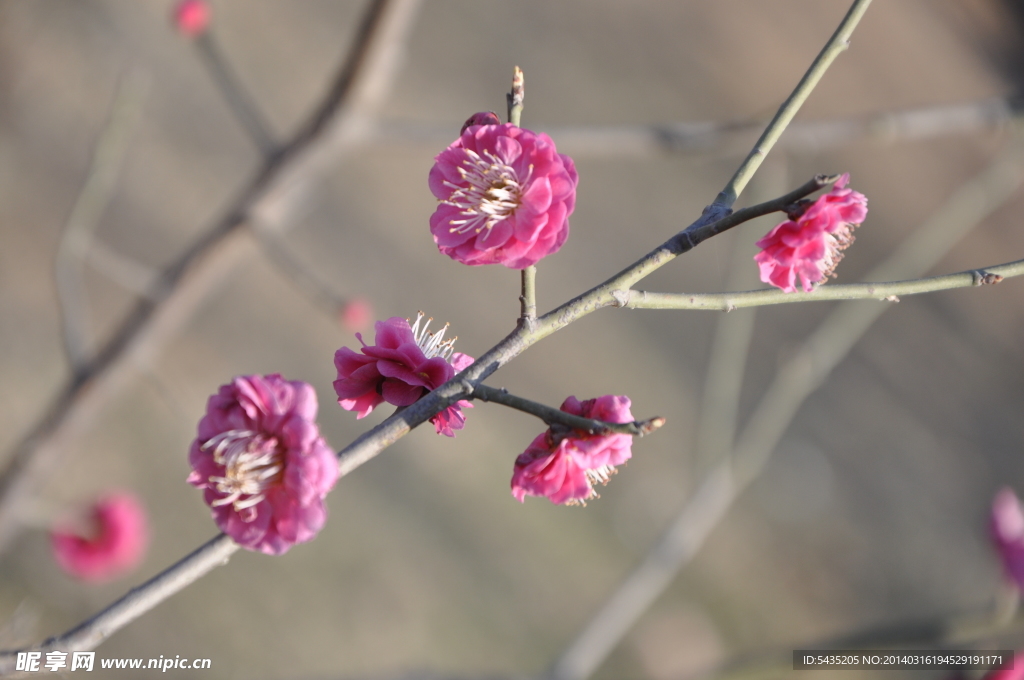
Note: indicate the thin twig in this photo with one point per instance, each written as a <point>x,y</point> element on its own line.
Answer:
<point>334,127</point>
<point>237,97</point>
<point>280,254</point>
<point>730,137</point>
<point>92,200</point>
<point>890,291</point>
<point>553,416</point>
<point>795,381</point>
<point>838,43</point>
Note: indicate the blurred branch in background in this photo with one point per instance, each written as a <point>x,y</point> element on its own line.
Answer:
<point>338,122</point>
<point>77,240</point>
<point>732,137</point>
<point>237,97</point>
<point>795,381</point>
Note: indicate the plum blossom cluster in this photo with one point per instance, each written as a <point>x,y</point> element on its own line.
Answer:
<point>104,541</point>
<point>404,363</point>
<point>262,465</point>
<point>564,465</point>
<point>504,195</point>
<point>810,244</point>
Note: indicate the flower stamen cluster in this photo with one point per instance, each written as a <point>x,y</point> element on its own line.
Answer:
<point>252,463</point>
<point>489,193</point>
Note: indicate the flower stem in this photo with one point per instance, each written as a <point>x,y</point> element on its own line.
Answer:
<point>838,43</point>
<point>515,97</point>
<point>553,416</point>
<point>529,296</point>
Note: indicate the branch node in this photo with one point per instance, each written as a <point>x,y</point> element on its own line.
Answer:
<point>621,297</point>
<point>983,278</point>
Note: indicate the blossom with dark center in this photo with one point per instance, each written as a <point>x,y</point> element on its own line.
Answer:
<point>262,464</point>
<point>504,195</point>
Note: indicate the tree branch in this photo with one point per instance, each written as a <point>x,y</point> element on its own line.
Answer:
<point>554,416</point>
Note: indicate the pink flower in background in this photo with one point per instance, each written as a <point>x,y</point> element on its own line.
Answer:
<point>192,17</point>
<point>812,245</point>
<point>505,195</point>
<point>356,315</point>
<point>116,534</point>
<point>1007,526</point>
<point>262,464</point>
<point>565,466</point>
<point>405,363</point>
<point>1014,673</point>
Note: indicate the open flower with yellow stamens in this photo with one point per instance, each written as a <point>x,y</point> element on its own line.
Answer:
<point>262,464</point>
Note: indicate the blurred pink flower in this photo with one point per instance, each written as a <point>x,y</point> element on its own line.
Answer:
<point>1014,673</point>
<point>262,464</point>
<point>505,195</point>
<point>1007,527</point>
<point>564,466</point>
<point>811,245</point>
<point>405,363</point>
<point>116,534</point>
<point>192,17</point>
<point>356,315</point>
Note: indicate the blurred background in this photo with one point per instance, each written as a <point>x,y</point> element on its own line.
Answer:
<point>873,508</point>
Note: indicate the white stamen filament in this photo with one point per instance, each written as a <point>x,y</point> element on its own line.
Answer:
<point>493,194</point>
<point>252,462</point>
<point>431,343</point>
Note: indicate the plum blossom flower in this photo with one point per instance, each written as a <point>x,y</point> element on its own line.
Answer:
<point>106,541</point>
<point>262,464</point>
<point>565,466</point>
<point>405,363</point>
<point>505,195</point>
<point>811,245</point>
<point>1007,527</point>
<point>192,17</point>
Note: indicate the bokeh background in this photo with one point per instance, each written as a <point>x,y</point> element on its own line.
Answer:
<point>872,510</point>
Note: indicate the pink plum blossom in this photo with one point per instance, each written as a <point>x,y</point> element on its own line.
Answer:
<point>356,314</point>
<point>262,464</point>
<point>811,245</point>
<point>192,17</point>
<point>106,541</point>
<point>564,466</point>
<point>505,195</point>
<point>1007,527</point>
<point>405,363</point>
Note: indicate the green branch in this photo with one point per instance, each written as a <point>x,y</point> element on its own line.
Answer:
<point>838,43</point>
<point>641,299</point>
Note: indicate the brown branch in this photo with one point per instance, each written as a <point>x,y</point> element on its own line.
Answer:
<point>554,416</point>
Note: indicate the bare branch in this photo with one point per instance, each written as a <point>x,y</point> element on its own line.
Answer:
<point>554,416</point>
<point>92,200</point>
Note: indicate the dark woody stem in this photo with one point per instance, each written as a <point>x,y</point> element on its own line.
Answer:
<point>553,416</point>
